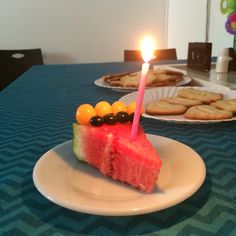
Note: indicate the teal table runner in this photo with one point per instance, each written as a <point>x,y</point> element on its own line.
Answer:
<point>36,113</point>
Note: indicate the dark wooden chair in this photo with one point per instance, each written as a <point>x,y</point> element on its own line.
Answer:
<point>13,63</point>
<point>161,54</point>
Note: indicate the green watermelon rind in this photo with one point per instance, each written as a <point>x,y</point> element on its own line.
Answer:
<point>77,142</point>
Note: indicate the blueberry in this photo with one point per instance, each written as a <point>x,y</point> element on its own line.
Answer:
<point>109,119</point>
<point>96,121</point>
<point>122,117</point>
<point>131,117</point>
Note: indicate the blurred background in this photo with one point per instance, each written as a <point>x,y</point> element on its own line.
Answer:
<point>90,31</point>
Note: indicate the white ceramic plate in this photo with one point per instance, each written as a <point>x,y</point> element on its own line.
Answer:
<point>101,83</point>
<point>157,93</point>
<point>75,185</point>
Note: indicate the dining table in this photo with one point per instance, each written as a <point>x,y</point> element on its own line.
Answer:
<point>36,114</point>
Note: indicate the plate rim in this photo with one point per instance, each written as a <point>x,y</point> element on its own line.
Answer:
<point>128,212</point>
<point>181,119</point>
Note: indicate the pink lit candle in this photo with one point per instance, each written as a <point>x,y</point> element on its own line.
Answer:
<point>147,54</point>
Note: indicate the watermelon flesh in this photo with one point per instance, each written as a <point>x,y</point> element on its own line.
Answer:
<point>109,149</point>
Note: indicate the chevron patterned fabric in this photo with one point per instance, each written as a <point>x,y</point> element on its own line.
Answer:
<point>36,113</point>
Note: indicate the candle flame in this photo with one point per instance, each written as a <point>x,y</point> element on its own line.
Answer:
<point>147,48</point>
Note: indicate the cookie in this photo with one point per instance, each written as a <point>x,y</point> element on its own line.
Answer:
<point>131,80</point>
<point>157,79</point>
<point>204,96</point>
<point>164,108</point>
<point>207,112</point>
<point>182,101</point>
<point>154,78</point>
<point>168,72</point>
<point>114,79</point>
<point>227,104</point>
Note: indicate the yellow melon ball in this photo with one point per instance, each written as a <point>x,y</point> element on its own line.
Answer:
<point>118,106</point>
<point>103,108</point>
<point>131,108</point>
<point>84,113</point>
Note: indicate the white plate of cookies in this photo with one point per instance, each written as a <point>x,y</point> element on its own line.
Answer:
<point>129,82</point>
<point>187,104</point>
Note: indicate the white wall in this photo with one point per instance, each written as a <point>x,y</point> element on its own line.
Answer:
<point>217,33</point>
<point>186,23</point>
<point>80,31</point>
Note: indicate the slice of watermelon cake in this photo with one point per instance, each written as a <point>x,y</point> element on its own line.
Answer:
<point>110,150</point>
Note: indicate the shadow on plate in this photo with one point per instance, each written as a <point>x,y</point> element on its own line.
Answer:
<point>51,218</point>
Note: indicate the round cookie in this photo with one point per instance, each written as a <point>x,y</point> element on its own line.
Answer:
<point>207,112</point>
<point>164,108</point>
<point>182,101</point>
<point>227,104</point>
<point>204,96</point>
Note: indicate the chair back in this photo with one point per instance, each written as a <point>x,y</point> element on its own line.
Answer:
<point>160,54</point>
<point>13,63</point>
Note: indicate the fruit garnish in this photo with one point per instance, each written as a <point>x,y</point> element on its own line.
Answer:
<point>110,119</point>
<point>105,113</point>
<point>103,108</point>
<point>122,117</point>
<point>96,121</point>
<point>131,117</point>
<point>118,106</point>
<point>84,113</point>
<point>131,108</point>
